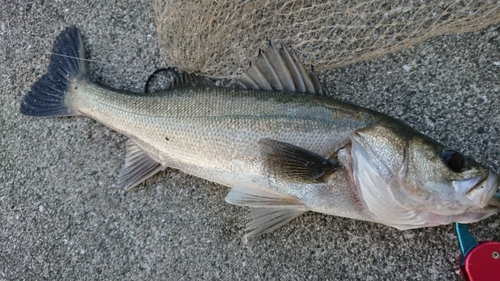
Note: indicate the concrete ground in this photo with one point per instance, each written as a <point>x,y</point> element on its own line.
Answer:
<point>61,217</point>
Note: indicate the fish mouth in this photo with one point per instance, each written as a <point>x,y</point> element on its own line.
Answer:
<point>495,200</point>
<point>484,192</point>
<point>493,185</point>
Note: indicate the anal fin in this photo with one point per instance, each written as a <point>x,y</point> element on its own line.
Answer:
<point>138,167</point>
<point>270,209</point>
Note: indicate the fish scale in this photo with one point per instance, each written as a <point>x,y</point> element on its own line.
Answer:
<point>234,119</point>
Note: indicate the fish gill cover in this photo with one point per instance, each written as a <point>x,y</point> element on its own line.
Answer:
<point>219,37</point>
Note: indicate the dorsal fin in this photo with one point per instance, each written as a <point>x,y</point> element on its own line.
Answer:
<point>279,70</point>
<point>179,79</point>
<point>185,79</point>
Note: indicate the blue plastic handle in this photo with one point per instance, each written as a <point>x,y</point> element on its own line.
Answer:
<point>465,239</point>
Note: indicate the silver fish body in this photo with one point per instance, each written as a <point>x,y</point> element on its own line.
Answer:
<point>214,133</point>
<point>282,153</point>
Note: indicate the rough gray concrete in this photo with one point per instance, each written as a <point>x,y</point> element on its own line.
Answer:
<point>61,218</point>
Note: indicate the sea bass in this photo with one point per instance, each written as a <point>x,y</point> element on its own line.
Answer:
<point>281,144</point>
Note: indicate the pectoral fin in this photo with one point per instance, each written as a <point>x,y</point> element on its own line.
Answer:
<point>270,209</point>
<point>295,163</point>
<point>138,167</point>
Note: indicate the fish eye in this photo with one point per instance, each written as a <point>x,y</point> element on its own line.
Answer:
<point>454,160</point>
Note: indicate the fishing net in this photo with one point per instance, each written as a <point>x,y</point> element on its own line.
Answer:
<point>220,37</point>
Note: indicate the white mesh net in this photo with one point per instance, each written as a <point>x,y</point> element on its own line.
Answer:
<point>219,37</point>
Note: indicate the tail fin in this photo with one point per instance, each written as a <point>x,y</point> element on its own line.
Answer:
<point>46,96</point>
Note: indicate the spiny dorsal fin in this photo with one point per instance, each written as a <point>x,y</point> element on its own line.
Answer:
<point>138,167</point>
<point>295,163</point>
<point>179,79</point>
<point>279,70</point>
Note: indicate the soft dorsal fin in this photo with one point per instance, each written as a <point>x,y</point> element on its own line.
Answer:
<point>279,70</point>
<point>184,79</point>
<point>179,79</point>
<point>138,167</point>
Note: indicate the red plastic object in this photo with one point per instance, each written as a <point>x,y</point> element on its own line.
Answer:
<point>482,263</point>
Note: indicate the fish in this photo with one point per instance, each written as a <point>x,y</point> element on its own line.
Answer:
<point>278,140</point>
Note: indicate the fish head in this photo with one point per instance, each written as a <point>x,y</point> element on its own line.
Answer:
<point>408,180</point>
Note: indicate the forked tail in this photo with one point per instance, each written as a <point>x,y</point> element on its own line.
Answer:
<point>46,97</point>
